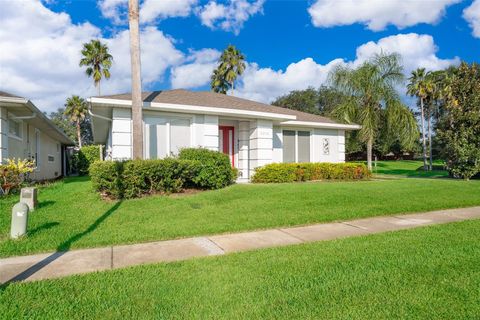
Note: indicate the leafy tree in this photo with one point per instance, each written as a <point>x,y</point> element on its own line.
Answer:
<point>97,59</point>
<point>321,101</point>
<point>368,89</point>
<point>301,100</point>
<point>231,65</point>
<point>63,122</point>
<point>459,126</point>
<point>420,85</point>
<point>76,111</point>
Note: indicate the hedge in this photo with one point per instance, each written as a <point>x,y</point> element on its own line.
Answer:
<point>215,168</point>
<point>293,172</point>
<point>195,168</point>
<point>85,157</point>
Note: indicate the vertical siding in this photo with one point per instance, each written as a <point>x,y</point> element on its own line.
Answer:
<point>121,134</point>
<point>3,135</point>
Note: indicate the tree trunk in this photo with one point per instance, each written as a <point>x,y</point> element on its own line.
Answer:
<point>79,134</point>
<point>424,146</point>
<point>369,153</point>
<point>430,164</point>
<point>137,118</point>
<point>232,87</point>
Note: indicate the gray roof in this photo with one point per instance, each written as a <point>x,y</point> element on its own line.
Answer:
<point>9,95</point>
<point>217,100</point>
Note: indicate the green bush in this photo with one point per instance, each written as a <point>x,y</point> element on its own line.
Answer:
<point>292,172</point>
<point>85,157</point>
<point>149,176</point>
<point>107,178</point>
<point>215,168</point>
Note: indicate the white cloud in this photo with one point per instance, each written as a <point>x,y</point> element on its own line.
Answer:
<point>197,71</point>
<point>150,10</point>
<point>230,17</point>
<point>265,84</point>
<point>43,66</point>
<point>472,15</point>
<point>160,9</point>
<point>115,10</point>
<point>377,14</point>
<point>416,51</point>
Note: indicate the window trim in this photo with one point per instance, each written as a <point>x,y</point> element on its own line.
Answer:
<point>48,158</point>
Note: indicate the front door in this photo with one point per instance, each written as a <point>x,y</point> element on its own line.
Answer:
<point>226,138</point>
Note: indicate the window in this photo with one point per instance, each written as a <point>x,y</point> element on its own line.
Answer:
<point>166,136</point>
<point>15,128</point>
<point>51,158</point>
<point>288,146</point>
<point>296,146</point>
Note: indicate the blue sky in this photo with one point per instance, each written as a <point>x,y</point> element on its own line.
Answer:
<point>288,44</point>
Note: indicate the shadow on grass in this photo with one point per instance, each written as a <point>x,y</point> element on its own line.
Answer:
<point>44,204</point>
<point>61,249</point>
<point>41,228</point>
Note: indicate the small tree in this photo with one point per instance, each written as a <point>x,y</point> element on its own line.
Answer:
<point>459,126</point>
<point>76,110</point>
<point>371,97</point>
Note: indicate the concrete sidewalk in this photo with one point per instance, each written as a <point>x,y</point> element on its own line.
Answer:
<point>60,264</point>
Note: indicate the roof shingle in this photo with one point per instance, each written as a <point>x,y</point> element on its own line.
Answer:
<point>217,100</point>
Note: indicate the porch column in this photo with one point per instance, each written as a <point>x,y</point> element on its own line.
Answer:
<point>3,135</point>
<point>261,144</point>
<point>243,149</point>
<point>121,134</point>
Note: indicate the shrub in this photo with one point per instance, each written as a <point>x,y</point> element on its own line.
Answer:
<point>150,176</point>
<point>215,169</point>
<point>85,157</point>
<point>13,173</point>
<point>107,178</point>
<point>291,172</point>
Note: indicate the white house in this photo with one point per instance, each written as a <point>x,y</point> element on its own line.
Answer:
<point>253,134</point>
<point>26,133</point>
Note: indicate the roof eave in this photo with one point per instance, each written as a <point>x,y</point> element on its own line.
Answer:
<point>170,107</point>
<point>325,125</point>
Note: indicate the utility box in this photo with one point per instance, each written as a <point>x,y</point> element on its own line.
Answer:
<point>29,197</point>
<point>19,220</point>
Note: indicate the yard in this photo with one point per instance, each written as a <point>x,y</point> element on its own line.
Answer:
<point>71,215</point>
<point>426,273</point>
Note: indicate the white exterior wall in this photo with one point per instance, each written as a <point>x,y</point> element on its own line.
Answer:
<point>261,144</point>
<point>210,132</point>
<point>243,150</point>
<point>336,139</point>
<point>121,134</point>
<point>25,148</point>
<point>3,135</point>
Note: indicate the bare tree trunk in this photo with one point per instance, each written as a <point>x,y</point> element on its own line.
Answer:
<point>429,123</point>
<point>369,153</point>
<point>424,145</point>
<point>98,87</point>
<point>79,134</point>
<point>232,87</point>
<point>137,118</point>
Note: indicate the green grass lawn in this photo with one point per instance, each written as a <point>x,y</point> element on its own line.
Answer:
<point>409,168</point>
<point>71,215</point>
<point>425,273</point>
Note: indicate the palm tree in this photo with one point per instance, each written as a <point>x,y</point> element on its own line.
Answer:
<point>420,86</point>
<point>76,111</point>
<point>218,82</point>
<point>98,61</point>
<point>368,89</point>
<point>232,65</point>
<point>137,118</point>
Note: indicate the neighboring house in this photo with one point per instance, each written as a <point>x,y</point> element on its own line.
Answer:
<point>26,133</point>
<point>253,134</point>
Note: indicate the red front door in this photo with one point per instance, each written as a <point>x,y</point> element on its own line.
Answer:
<point>226,138</point>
